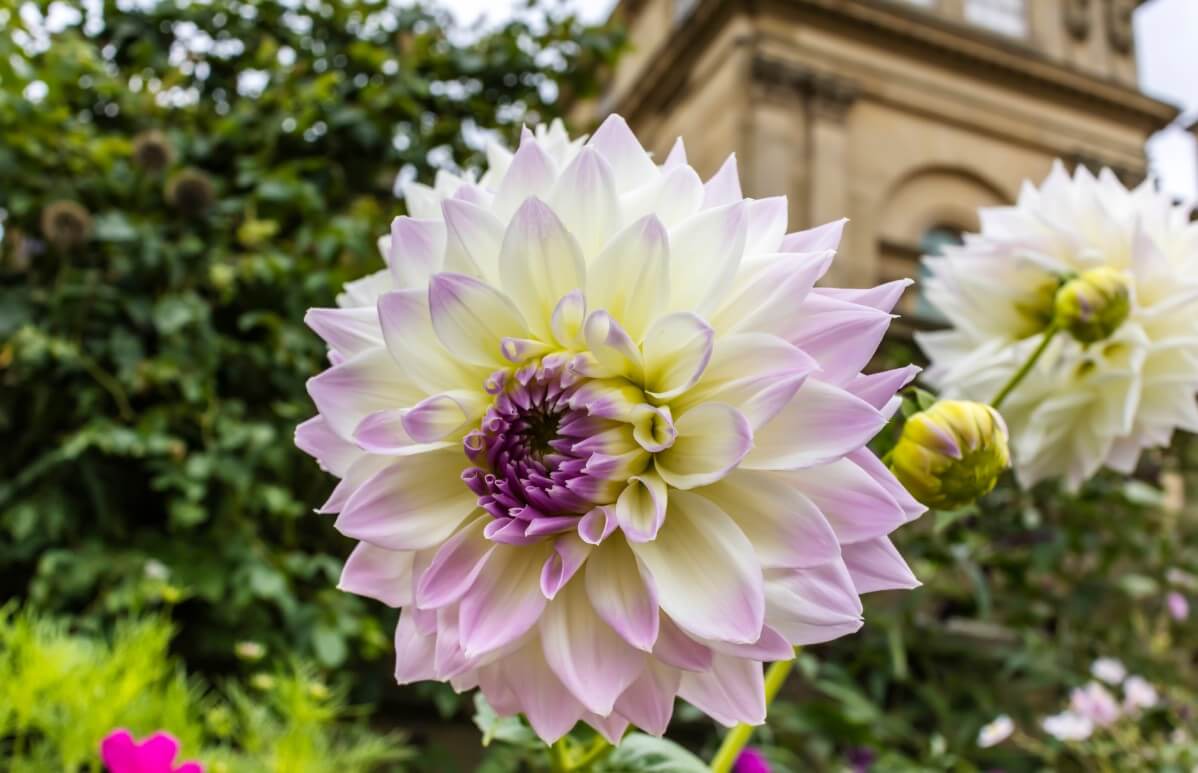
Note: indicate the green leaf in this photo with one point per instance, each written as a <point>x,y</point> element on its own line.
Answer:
<point>496,728</point>
<point>640,753</point>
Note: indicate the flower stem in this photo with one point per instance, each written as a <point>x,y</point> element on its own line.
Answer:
<point>1026,368</point>
<point>738,737</point>
<point>559,756</point>
<point>599,747</point>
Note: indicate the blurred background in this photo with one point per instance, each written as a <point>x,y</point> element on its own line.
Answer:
<point>180,181</point>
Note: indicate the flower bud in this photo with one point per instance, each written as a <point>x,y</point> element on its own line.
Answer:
<point>191,192</point>
<point>952,453</point>
<point>1094,304</point>
<point>152,151</point>
<point>66,224</point>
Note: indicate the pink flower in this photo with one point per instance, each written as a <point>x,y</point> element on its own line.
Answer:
<point>603,439</point>
<point>156,754</point>
<point>1095,703</point>
<point>751,761</point>
<point>1179,606</point>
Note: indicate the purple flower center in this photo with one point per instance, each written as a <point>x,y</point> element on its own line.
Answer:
<point>539,458</point>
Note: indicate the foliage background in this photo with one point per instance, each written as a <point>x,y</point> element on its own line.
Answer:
<point>151,375</point>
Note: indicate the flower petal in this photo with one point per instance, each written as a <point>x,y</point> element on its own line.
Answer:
<point>471,319</point>
<point>531,173</point>
<point>755,373</point>
<point>414,504</point>
<point>473,239</point>
<point>733,691</point>
<point>408,332</point>
<point>821,424</point>
<point>446,415</point>
<point>677,348</point>
<point>641,507</point>
<point>811,606</point>
<point>707,576</point>
<point>712,439</point>
<point>622,595</point>
<point>822,237</point>
<point>416,250</point>
<point>377,573</point>
<point>317,439</point>
<point>767,225</point>
<point>584,197</point>
<point>724,186</point>
<point>841,336</point>
<point>705,253</point>
<point>414,650</point>
<point>569,553</point>
<point>877,565</point>
<point>592,661</point>
<point>455,566</point>
<point>631,165</point>
<point>551,709</point>
<point>786,528</point>
<point>539,262</point>
<point>505,600</point>
<point>673,197</point>
<point>649,701</point>
<point>768,297</point>
<point>368,382</point>
<point>856,505</point>
<point>630,277</point>
<point>347,331</point>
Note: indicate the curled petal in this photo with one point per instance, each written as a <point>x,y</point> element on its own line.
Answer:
<point>641,508</point>
<point>598,524</point>
<point>569,553</point>
<point>444,415</point>
<point>712,439</point>
<point>677,348</point>
<point>612,348</point>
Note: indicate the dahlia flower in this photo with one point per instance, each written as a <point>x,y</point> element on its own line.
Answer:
<point>602,440</point>
<point>1086,403</point>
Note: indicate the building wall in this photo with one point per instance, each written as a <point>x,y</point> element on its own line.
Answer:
<point>896,113</point>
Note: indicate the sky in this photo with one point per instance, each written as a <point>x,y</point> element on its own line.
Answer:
<point>1166,33</point>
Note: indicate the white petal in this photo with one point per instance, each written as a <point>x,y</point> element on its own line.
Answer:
<point>408,331</point>
<point>471,319</point>
<point>820,424</point>
<point>641,507</point>
<point>540,262</point>
<point>532,173</point>
<point>369,382</point>
<point>677,348</point>
<point>584,197</point>
<point>414,504</point>
<point>724,186</point>
<point>347,331</point>
<point>622,595</point>
<point>705,253</point>
<point>672,197</point>
<point>416,250</point>
<point>630,164</point>
<point>712,439</point>
<point>707,576</point>
<point>630,278</point>
<point>767,225</point>
<point>768,297</point>
<point>592,661</point>
<point>473,239</point>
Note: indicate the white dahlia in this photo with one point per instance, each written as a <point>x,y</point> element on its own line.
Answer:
<point>1117,270</point>
<point>601,439</point>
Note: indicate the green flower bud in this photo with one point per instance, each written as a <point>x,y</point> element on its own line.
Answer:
<point>1094,304</point>
<point>952,453</point>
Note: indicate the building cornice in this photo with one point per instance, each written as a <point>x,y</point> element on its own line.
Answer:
<point>1010,60</point>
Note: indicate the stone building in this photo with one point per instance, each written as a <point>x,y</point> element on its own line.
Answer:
<point>904,115</point>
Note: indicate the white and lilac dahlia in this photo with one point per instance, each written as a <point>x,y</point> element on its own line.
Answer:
<point>1085,404</point>
<point>601,439</point>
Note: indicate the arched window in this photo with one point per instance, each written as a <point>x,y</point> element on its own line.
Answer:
<point>932,242</point>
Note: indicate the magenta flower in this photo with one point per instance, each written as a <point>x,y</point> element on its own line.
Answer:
<point>751,761</point>
<point>603,440</point>
<point>156,754</point>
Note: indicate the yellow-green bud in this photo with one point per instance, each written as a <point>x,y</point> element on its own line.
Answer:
<point>952,453</point>
<point>1094,304</point>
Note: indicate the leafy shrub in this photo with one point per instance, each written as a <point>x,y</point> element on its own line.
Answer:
<point>61,692</point>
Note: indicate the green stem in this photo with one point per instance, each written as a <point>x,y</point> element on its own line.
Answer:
<point>559,756</point>
<point>599,747</point>
<point>1026,368</point>
<point>736,739</point>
